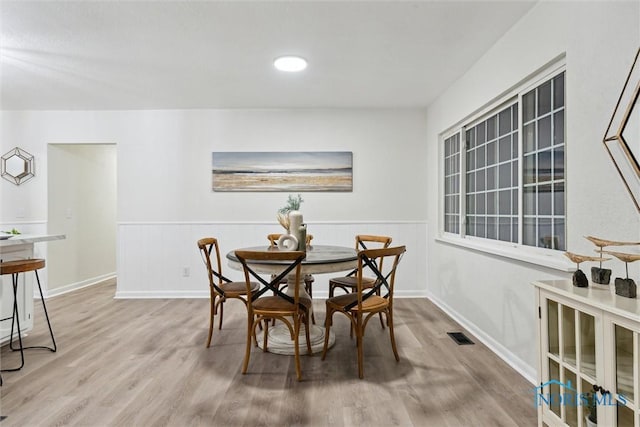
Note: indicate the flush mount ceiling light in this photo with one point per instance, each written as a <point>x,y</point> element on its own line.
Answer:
<point>290,64</point>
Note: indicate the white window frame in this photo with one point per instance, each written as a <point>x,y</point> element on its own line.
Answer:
<point>535,255</point>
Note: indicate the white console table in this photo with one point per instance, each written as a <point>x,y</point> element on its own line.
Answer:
<point>19,247</point>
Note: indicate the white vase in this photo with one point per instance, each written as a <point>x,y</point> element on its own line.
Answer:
<point>589,423</point>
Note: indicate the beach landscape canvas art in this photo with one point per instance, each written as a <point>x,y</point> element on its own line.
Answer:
<point>282,171</point>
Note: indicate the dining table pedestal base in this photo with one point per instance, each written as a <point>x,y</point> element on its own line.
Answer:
<point>279,339</point>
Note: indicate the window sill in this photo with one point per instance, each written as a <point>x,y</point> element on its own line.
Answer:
<point>553,260</point>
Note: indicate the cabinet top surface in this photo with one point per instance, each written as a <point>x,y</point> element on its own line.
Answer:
<point>599,296</point>
<point>21,239</point>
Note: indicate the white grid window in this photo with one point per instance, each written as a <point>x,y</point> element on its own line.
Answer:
<point>486,153</point>
<point>492,176</point>
<point>452,184</point>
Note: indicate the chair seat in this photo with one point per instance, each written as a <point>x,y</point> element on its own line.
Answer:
<point>352,282</point>
<point>21,266</point>
<point>275,303</point>
<point>238,288</point>
<point>373,303</point>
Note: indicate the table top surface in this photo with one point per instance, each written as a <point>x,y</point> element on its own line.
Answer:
<point>316,254</point>
<point>21,239</point>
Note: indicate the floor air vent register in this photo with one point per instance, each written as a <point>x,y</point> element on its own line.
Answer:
<point>460,338</point>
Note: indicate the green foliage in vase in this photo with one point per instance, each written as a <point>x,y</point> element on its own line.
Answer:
<point>293,204</point>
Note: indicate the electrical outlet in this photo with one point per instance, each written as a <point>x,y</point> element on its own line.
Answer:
<point>186,272</point>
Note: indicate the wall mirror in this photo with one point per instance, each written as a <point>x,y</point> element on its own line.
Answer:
<point>17,166</point>
<point>622,137</point>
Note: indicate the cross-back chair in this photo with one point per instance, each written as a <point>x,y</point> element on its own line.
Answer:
<point>292,311</point>
<point>348,283</point>
<point>367,301</point>
<point>220,287</point>
<point>308,278</point>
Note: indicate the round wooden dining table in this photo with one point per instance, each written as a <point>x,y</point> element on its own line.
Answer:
<point>320,259</point>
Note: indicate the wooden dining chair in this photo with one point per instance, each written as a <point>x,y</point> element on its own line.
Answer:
<point>348,283</point>
<point>220,287</point>
<point>292,311</point>
<point>366,301</point>
<point>308,278</point>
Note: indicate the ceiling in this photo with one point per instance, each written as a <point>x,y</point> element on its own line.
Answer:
<point>96,55</point>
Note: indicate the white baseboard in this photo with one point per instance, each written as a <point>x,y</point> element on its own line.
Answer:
<point>161,294</point>
<point>75,286</point>
<point>524,369</point>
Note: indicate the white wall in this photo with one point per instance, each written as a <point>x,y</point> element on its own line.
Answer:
<point>82,184</point>
<point>493,295</point>
<point>164,182</point>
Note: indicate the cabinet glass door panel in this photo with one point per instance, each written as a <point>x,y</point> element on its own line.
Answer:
<point>587,344</point>
<point>587,387</point>
<point>569,335</point>
<point>570,399</point>
<point>624,416</point>
<point>554,389</point>
<point>552,327</point>
<point>624,362</point>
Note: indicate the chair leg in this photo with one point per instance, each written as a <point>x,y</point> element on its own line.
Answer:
<point>309,287</point>
<point>212,310</point>
<point>296,349</point>
<point>392,335</point>
<point>359,345</point>
<point>308,334</point>
<point>380,314</point>
<point>44,307</point>
<point>221,304</point>
<point>327,328</point>
<point>15,320</point>
<point>247,351</point>
<point>265,335</point>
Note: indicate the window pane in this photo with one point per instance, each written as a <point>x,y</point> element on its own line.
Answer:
<point>504,149</point>
<point>514,202</point>
<point>471,160</point>
<point>504,202</point>
<point>491,203</point>
<point>504,175</point>
<point>545,234</point>
<point>504,229</point>
<point>559,234</point>
<point>529,172</point>
<point>471,138</point>
<point>491,128</point>
<point>480,156</point>
<point>529,106</point>
<point>544,133</point>
<point>544,166</point>
<point>491,153</point>
<point>480,180</point>
<point>481,226</point>
<point>480,135</point>
<point>514,178</point>
<point>480,203</point>
<point>529,231</point>
<point>529,200</point>
<point>544,200</point>
<point>514,230</point>
<point>544,98</point>
<point>558,163</point>
<point>514,142</point>
<point>558,91</point>
<point>491,178</point>
<point>504,122</point>
<point>492,228</point>
<point>558,127</point>
<point>471,182</point>
<point>558,199</point>
<point>471,204</point>
<point>514,116</point>
<point>529,137</point>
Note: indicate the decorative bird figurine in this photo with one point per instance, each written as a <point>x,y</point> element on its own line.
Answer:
<point>579,278</point>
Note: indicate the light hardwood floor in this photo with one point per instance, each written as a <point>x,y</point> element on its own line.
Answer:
<point>144,363</point>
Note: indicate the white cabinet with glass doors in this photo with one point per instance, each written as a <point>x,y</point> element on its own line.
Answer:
<point>589,345</point>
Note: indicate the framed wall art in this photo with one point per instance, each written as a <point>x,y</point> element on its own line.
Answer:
<point>282,171</point>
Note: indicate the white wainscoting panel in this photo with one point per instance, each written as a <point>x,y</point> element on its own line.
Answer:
<point>161,260</point>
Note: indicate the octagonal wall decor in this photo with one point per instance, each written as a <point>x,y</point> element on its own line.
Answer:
<point>17,166</point>
<point>622,138</point>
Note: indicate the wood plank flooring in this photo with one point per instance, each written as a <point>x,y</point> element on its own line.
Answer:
<point>144,363</point>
